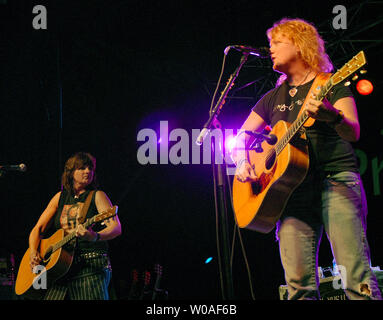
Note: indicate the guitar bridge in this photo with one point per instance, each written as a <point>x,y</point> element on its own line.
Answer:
<point>256,187</point>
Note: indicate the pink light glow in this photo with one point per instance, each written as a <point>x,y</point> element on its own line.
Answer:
<point>230,143</point>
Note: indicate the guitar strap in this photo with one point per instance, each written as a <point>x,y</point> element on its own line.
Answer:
<point>85,207</point>
<point>320,80</point>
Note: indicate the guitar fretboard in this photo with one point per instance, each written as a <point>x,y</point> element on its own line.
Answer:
<point>71,236</point>
<point>300,121</point>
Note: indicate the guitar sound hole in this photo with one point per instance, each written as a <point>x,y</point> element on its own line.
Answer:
<point>47,254</point>
<point>270,159</point>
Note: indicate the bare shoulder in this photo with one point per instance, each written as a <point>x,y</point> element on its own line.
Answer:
<point>55,200</point>
<point>102,201</point>
<point>50,210</point>
<point>101,195</point>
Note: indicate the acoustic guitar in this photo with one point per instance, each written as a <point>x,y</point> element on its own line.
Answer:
<point>56,260</point>
<point>281,167</point>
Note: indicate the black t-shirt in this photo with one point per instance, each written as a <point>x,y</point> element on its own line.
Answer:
<point>327,150</point>
<point>66,218</point>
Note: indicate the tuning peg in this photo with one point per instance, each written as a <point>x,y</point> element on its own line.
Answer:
<point>355,77</point>
<point>347,83</point>
<point>363,71</point>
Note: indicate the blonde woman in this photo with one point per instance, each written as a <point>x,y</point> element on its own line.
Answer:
<point>331,197</point>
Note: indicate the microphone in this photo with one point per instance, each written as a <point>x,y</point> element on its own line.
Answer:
<point>17,167</point>
<point>262,52</point>
<point>202,136</point>
<point>269,138</point>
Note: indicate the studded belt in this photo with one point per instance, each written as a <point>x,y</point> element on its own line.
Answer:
<point>90,255</point>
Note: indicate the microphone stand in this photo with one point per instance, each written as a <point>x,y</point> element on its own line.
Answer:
<point>219,176</point>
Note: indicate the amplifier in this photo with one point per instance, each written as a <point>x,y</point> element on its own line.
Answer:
<point>327,290</point>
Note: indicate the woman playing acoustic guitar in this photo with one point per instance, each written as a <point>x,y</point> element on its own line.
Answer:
<point>90,271</point>
<point>330,194</point>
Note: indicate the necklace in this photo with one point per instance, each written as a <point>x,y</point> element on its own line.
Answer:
<point>293,91</point>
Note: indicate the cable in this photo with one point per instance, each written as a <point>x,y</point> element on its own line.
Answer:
<point>217,234</point>
<point>215,190</point>
<point>215,187</point>
<point>218,83</point>
<point>236,228</point>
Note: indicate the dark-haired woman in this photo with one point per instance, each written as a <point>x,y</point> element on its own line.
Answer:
<point>89,275</point>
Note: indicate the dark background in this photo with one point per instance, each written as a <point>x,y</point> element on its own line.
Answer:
<point>102,71</point>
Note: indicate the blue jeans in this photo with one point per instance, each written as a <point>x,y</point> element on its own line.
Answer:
<point>336,203</point>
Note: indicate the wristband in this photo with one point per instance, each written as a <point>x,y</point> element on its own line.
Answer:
<point>338,120</point>
<point>97,237</point>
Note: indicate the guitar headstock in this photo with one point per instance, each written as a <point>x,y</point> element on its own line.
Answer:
<point>106,214</point>
<point>147,277</point>
<point>158,269</point>
<point>349,68</point>
<point>135,275</point>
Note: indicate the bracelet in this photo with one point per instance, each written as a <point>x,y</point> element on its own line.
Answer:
<point>240,162</point>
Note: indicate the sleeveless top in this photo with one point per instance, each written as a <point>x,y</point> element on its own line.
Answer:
<point>66,216</point>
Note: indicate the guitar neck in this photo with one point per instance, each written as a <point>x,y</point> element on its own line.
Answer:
<point>300,121</point>
<point>71,235</point>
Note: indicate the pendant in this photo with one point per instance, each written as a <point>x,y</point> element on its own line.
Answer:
<point>293,92</point>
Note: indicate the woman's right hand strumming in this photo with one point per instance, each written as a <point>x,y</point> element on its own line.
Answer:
<point>34,259</point>
<point>245,172</point>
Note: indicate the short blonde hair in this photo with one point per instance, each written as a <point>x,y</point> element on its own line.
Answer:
<point>308,41</point>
